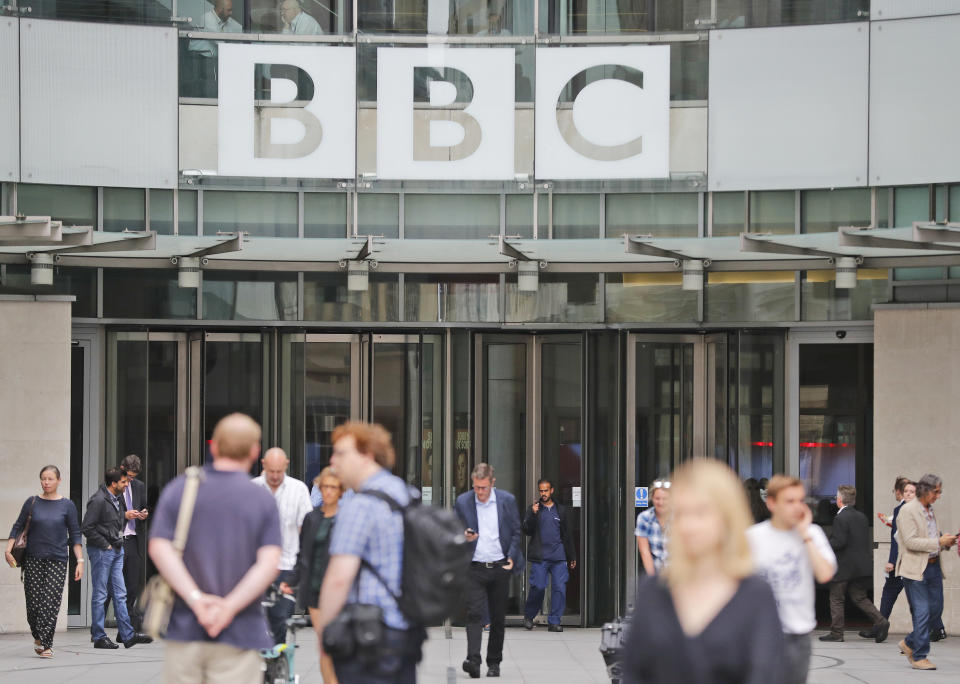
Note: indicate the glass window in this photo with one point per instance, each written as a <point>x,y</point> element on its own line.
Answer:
<point>824,211</point>
<point>729,213</point>
<point>75,206</point>
<point>267,214</point>
<point>146,293</point>
<point>378,214</point>
<point>161,211</point>
<point>561,297</point>
<point>750,296</point>
<point>67,280</point>
<point>576,216</point>
<point>324,215</point>
<point>519,219</point>
<point>188,211</point>
<point>648,297</point>
<point>452,298</point>
<point>123,209</point>
<point>756,405</point>
<point>911,204</point>
<point>249,296</point>
<point>451,216</point>
<point>820,300</point>
<point>883,207</point>
<point>326,298</point>
<point>954,202</point>
<point>456,17</point>
<point>113,12</point>
<point>772,212</point>
<point>668,214</point>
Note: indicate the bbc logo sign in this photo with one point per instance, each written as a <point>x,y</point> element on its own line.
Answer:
<point>445,113</point>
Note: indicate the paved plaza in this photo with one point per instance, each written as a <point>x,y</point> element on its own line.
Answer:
<point>568,658</point>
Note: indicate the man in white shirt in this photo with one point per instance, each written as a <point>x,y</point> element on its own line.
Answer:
<point>218,19</point>
<point>296,21</point>
<point>790,552</point>
<point>293,504</point>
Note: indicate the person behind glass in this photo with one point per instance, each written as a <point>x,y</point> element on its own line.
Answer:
<point>851,542</point>
<point>651,530</point>
<point>790,553</point>
<point>492,520</point>
<point>103,525</point>
<point>296,21</point>
<point>53,530</point>
<point>134,535</point>
<point>550,554</point>
<point>755,499</point>
<point>706,618</point>
<point>314,555</point>
<point>217,19</point>
<point>366,557</point>
<point>494,25</point>
<point>918,564</point>
<point>903,491</point>
<point>293,504</point>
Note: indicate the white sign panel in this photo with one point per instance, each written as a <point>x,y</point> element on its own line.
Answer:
<point>287,137</point>
<point>603,112</point>
<point>577,497</point>
<point>445,113</point>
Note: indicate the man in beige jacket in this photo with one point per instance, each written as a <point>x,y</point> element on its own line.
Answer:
<point>918,563</point>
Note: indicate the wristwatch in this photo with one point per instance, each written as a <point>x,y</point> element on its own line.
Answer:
<point>193,596</point>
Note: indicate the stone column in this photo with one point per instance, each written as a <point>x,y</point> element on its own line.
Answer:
<point>917,428</point>
<point>34,420</point>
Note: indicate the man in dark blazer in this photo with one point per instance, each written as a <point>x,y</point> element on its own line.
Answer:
<point>550,553</point>
<point>134,535</point>
<point>492,522</point>
<point>850,539</point>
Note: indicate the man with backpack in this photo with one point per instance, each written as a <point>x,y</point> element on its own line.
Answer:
<point>493,531</point>
<point>361,623</point>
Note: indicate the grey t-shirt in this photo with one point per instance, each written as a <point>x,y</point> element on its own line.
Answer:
<point>233,518</point>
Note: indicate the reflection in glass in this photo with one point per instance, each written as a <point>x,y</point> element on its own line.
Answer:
<point>561,297</point>
<point>772,211</point>
<point>432,438</point>
<point>911,204</point>
<point>326,298</point>
<point>648,297</point>
<point>326,401</point>
<point>756,405</point>
<point>146,293</point>
<point>729,213</point>
<point>161,212</point>
<point>233,373</point>
<point>820,300</point>
<point>324,215</point>
<point>268,214</point>
<point>449,17</point>
<point>452,298</point>
<point>750,296</point>
<point>659,214</point>
<point>75,206</point>
<point>107,12</point>
<point>461,343</point>
<point>378,214</point>
<point>395,399</point>
<point>68,280</point>
<point>576,216</point>
<point>451,216</point>
<point>123,209</point>
<point>252,295</point>
<point>826,210</point>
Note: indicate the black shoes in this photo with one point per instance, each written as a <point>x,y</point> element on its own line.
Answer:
<point>493,671</point>
<point>472,669</point>
<point>882,630</point>
<point>104,642</point>
<point>868,633</point>
<point>938,634</point>
<point>137,638</point>
<point>832,637</point>
<point>527,624</point>
<point>555,628</point>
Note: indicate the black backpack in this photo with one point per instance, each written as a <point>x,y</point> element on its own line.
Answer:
<point>436,559</point>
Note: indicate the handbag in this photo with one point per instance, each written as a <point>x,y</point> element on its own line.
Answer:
<point>158,596</point>
<point>19,550</point>
<point>357,630</point>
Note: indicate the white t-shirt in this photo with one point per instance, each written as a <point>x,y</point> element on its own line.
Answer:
<point>781,559</point>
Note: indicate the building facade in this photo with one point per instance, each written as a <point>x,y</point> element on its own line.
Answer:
<point>583,239</point>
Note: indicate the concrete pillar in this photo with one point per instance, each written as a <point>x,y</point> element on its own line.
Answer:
<point>916,427</point>
<point>34,420</point>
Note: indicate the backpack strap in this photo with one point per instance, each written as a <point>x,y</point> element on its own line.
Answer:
<point>396,508</point>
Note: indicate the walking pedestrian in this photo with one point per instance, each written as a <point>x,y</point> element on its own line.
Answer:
<point>233,548</point>
<point>903,491</point>
<point>790,552</point>
<point>714,621</point>
<point>314,555</point>
<point>651,530</point>
<point>102,525</point>
<point>550,553</point>
<point>493,530</point>
<point>53,531</point>
<point>918,564</point>
<point>293,503</point>
<point>363,578</point>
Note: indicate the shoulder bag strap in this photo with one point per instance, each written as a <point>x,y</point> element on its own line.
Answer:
<point>26,525</point>
<point>187,502</point>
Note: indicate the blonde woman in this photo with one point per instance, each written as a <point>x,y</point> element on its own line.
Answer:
<point>314,554</point>
<point>707,619</point>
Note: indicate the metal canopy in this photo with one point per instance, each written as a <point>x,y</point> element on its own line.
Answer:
<point>643,245</point>
<point>936,232</point>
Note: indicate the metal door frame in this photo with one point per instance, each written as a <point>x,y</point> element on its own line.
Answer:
<point>357,371</point>
<point>183,393</point>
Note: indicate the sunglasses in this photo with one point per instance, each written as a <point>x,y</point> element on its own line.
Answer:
<point>661,484</point>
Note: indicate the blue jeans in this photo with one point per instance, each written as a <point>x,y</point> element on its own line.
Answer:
<point>281,610</point>
<point>539,572</point>
<point>926,599</point>
<point>106,569</point>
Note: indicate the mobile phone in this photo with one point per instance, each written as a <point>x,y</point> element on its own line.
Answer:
<point>470,530</point>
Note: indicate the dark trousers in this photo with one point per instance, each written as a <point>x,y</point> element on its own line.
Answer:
<point>926,599</point>
<point>857,589</point>
<point>486,587</point>
<point>281,610</point>
<point>892,586</point>
<point>797,648</point>
<point>397,665</point>
<point>132,566</point>
<point>540,572</point>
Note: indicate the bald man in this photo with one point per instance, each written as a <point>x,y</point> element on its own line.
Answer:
<point>293,504</point>
<point>233,548</point>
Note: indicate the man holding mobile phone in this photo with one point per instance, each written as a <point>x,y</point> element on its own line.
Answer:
<point>134,535</point>
<point>551,554</point>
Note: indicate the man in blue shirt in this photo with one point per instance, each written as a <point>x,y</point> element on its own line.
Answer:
<point>368,541</point>
<point>550,553</point>
<point>493,527</point>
